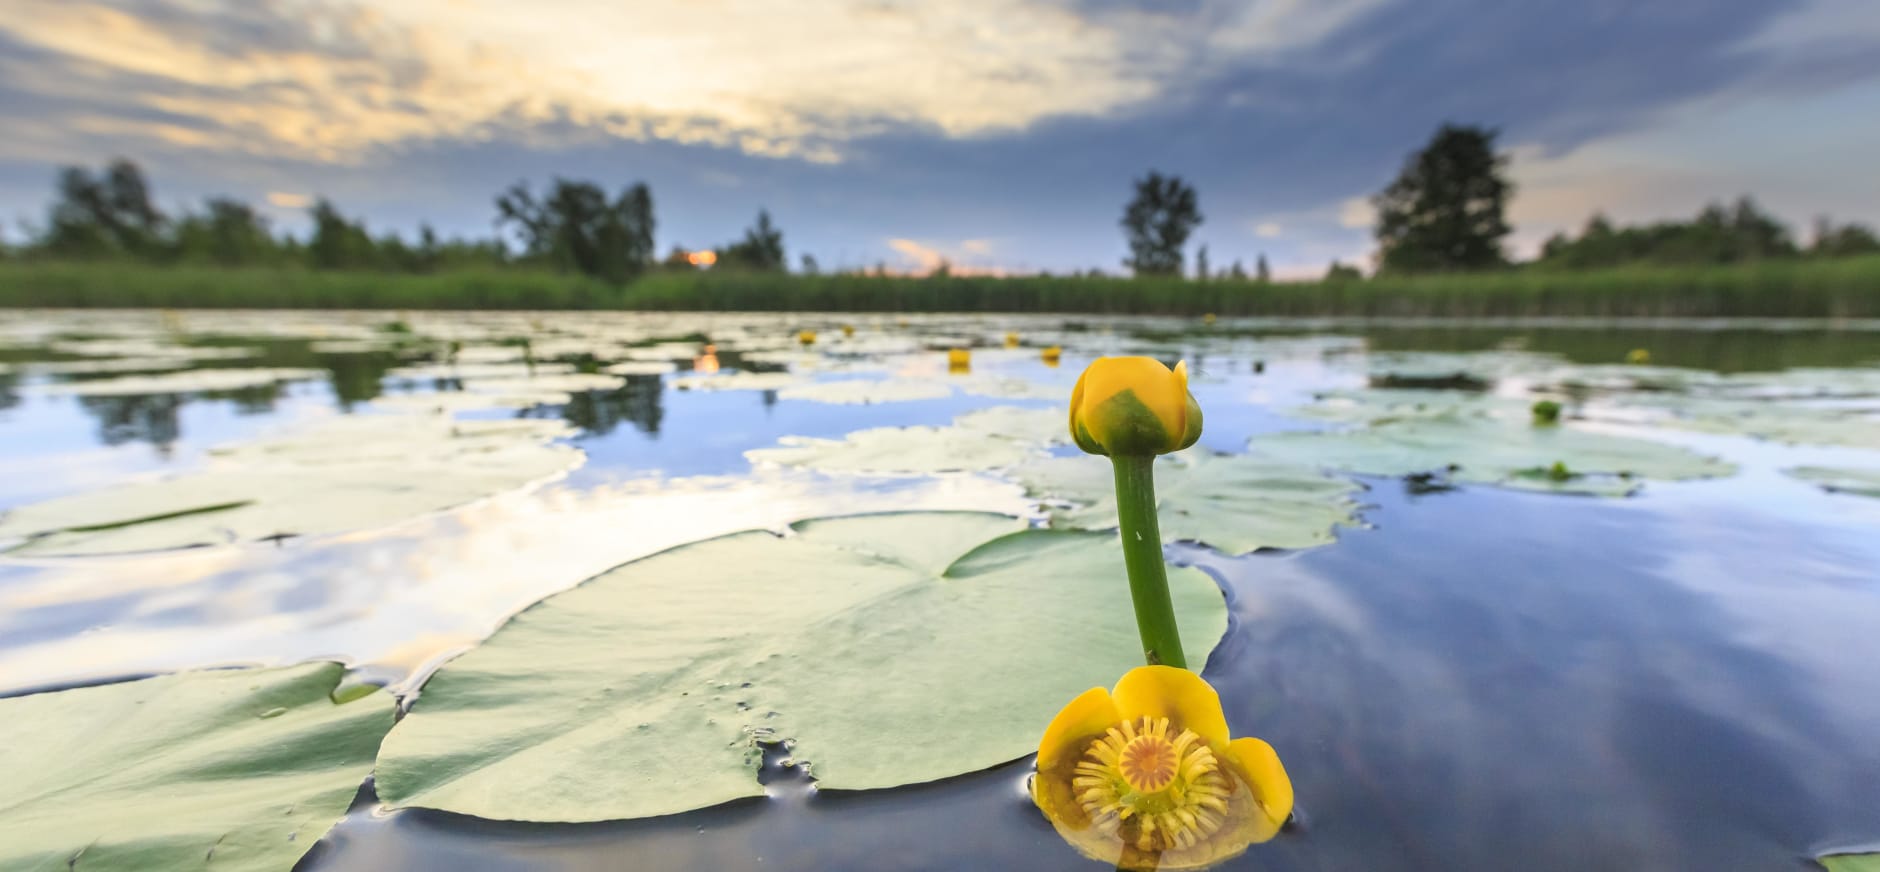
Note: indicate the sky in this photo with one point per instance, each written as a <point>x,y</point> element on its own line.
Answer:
<point>994,134</point>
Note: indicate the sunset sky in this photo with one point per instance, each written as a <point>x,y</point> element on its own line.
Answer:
<point>995,134</point>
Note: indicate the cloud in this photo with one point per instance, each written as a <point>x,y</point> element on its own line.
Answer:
<point>329,80</point>
<point>919,258</point>
<point>1357,213</point>
<point>285,200</point>
<point>1268,230</point>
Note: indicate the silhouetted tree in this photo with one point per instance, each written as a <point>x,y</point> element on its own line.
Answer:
<point>1716,235</point>
<point>1157,223</point>
<point>1846,240</point>
<point>227,232</point>
<point>337,242</point>
<point>104,215</point>
<point>1261,272</point>
<point>573,226</point>
<point>761,249</point>
<point>1237,272</point>
<point>1201,263</point>
<point>1446,209</point>
<point>810,267</point>
<point>1339,272</point>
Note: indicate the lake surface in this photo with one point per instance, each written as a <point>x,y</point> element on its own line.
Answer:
<point>1479,673</point>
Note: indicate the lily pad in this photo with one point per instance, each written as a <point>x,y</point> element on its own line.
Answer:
<point>1864,482</point>
<point>1475,448</point>
<point>1233,503</point>
<point>1851,862</point>
<point>1034,425</point>
<point>234,769</point>
<point>186,382</point>
<point>881,649</point>
<point>342,474</point>
<point>641,367</point>
<point>1016,389</point>
<point>857,392</point>
<point>736,381</point>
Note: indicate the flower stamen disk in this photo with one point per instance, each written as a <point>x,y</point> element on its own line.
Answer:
<point>1152,786</point>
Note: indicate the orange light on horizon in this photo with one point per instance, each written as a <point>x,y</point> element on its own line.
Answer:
<point>701,258</point>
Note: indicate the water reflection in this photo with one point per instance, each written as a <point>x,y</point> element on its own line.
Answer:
<point>149,418</point>
<point>637,402</point>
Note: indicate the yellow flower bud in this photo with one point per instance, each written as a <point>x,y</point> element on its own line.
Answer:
<point>1133,406</point>
<point>1638,356</point>
<point>807,337</point>
<point>1011,340</point>
<point>1050,355</point>
<point>959,360</point>
<point>848,330</point>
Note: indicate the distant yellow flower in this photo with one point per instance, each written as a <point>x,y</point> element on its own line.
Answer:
<point>1011,340</point>
<point>1133,406</point>
<point>1050,354</point>
<point>1208,318</point>
<point>807,337</point>
<point>1146,776</point>
<point>1638,356</point>
<point>959,359</point>
<point>848,330</point>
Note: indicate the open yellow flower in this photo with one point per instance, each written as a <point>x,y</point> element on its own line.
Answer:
<point>959,360</point>
<point>1133,406</point>
<point>1145,776</point>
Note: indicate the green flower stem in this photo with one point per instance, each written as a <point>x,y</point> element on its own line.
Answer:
<point>1142,554</point>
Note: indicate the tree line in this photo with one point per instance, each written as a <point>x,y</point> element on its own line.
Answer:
<point>569,225</point>
<point>1446,211</point>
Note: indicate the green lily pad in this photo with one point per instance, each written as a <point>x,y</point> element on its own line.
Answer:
<point>1233,503</point>
<point>1477,448</point>
<point>881,649</point>
<point>1033,425</point>
<point>341,474</point>
<point>236,769</point>
<point>184,382</point>
<point>1851,862</point>
<point>1865,482</point>
<point>736,381</point>
<point>641,367</point>
<point>857,392</point>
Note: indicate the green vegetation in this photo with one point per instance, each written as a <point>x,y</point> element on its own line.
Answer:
<point>1446,210</point>
<point>1842,287</point>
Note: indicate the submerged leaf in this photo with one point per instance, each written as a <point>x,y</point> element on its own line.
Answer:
<point>889,649</point>
<point>1232,503</point>
<point>230,769</point>
<point>1841,479</point>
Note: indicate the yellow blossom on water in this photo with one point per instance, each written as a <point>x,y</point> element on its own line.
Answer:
<point>807,337</point>
<point>1133,405</point>
<point>1050,354</point>
<point>959,360</point>
<point>1146,776</point>
<point>1011,340</point>
<point>1638,356</point>
<point>848,330</point>
<point>1208,318</point>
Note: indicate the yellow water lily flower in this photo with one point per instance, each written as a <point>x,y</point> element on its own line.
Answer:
<point>1638,356</point>
<point>959,359</point>
<point>1133,406</point>
<point>807,337</point>
<point>1146,776</point>
<point>848,330</point>
<point>1208,318</point>
<point>1050,354</point>
<point>1011,340</point>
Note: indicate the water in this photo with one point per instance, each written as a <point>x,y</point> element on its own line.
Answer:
<point>1474,678</point>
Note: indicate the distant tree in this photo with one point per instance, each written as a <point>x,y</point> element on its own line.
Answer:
<point>227,232</point>
<point>678,259</point>
<point>574,226</point>
<point>337,242</point>
<point>761,249</point>
<point>429,252</point>
<point>1261,272</point>
<point>1157,223</point>
<point>1237,272</point>
<point>1201,263</point>
<point>104,215</point>
<point>1846,240</point>
<point>1339,272</point>
<point>810,267</point>
<point>1446,210</point>
<point>1717,235</point>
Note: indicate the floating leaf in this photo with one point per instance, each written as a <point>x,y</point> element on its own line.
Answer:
<point>1496,451</point>
<point>1865,482</point>
<point>889,649</point>
<point>1034,425</point>
<point>233,769</point>
<point>867,391</point>
<point>1232,503</point>
<point>1851,862</point>
<point>642,367</point>
<point>1006,387</point>
<point>187,382</point>
<point>737,381</point>
<point>342,474</point>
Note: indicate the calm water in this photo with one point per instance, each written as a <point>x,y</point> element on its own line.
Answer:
<point>1475,678</point>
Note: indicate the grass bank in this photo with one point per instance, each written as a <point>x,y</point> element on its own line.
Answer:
<point>1795,288</point>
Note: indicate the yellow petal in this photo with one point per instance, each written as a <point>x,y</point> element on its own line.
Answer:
<point>1176,694</point>
<point>1272,789</point>
<point>1090,714</point>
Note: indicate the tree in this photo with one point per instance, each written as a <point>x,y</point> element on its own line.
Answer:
<point>338,243</point>
<point>1157,223</point>
<point>227,232</point>
<point>1846,240</point>
<point>1339,272</point>
<point>573,226</point>
<point>1201,263</point>
<point>761,249</point>
<point>810,267</point>
<point>1237,272</point>
<point>104,215</point>
<point>1446,210</point>
<point>1261,272</point>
